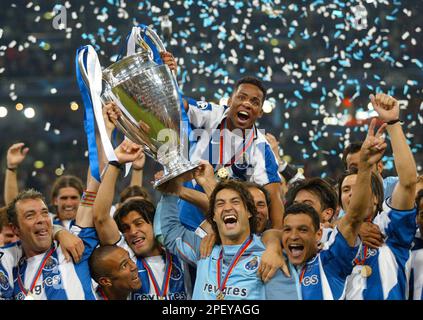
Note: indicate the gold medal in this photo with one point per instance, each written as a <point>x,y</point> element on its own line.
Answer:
<point>366,271</point>
<point>220,296</point>
<point>222,173</point>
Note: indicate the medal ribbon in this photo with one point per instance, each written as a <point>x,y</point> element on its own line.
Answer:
<point>302,273</point>
<point>362,260</point>
<point>102,294</point>
<point>166,279</point>
<point>37,274</point>
<point>234,261</point>
<point>241,153</point>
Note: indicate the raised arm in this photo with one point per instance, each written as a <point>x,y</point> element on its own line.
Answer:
<point>15,155</point>
<point>170,60</point>
<point>106,227</point>
<point>138,171</point>
<point>361,199</point>
<point>388,109</point>
<point>176,238</point>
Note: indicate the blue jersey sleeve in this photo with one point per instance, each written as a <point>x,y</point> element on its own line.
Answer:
<point>9,257</point>
<point>90,239</point>
<point>176,238</point>
<point>265,165</point>
<point>399,226</point>
<point>337,256</point>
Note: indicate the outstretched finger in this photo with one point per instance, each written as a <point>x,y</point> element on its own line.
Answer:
<point>381,129</point>
<point>372,126</point>
<point>373,100</point>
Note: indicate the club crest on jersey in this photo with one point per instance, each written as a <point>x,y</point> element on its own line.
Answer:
<point>252,265</point>
<point>176,273</point>
<point>4,281</point>
<point>202,105</point>
<point>51,263</point>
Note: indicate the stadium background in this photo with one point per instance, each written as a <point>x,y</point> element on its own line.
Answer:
<point>319,59</point>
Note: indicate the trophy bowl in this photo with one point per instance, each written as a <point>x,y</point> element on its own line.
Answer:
<point>147,95</point>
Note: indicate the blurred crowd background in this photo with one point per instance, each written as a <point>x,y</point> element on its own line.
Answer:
<point>319,59</point>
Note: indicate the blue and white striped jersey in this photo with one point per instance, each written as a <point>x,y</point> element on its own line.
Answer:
<point>324,276</point>
<point>59,279</point>
<point>391,263</point>
<point>258,163</point>
<point>416,278</point>
<point>243,284</point>
<point>179,283</point>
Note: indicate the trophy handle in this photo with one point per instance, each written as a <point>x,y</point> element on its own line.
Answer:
<point>155,39</point>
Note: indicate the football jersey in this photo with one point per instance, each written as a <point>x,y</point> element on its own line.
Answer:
<point>324,276</point>
<point>243,282</point>
<point>55,278</point>
<point>390,264</point>
<point>150,268</point>
<point>248,158</point>
<point>416,277</point>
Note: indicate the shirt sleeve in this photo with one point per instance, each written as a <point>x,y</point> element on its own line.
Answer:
<point>90,239</point>
<point>337,256</point>
<point>176,238</point>
<point>9,257</point>
<point>201,114</point>
<point>265,165</point>
<point>399,226</point>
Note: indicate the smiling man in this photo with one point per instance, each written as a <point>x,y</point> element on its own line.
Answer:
<point>231,270</point>
<point>323,274</point>
<point>115,272</point>
<point>57,278</point>
<point>162,274</point>
<point>66,196</point>
<point>227,137</point>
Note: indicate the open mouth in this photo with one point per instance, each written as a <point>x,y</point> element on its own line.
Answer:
<point>138,242</point>
<point>42,233</point>
<point>230,220</point>
<point>243,116</point>
<point>135,276</point>
<point>296,250</point>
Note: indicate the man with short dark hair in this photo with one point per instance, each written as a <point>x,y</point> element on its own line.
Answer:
<point>6,232</point>
<point>386,269</point>
<point>231,271</point>
<point>317,193</point>
<point>162,274</point>
<point>115,272</point>
<point>350,158</point>
<point>323,274</point>
<point>228,138</point>
<point>59,278</point>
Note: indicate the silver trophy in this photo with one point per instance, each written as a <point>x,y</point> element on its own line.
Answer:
<point>147,95</point>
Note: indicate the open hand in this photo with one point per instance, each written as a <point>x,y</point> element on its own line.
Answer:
<point>16,154</point>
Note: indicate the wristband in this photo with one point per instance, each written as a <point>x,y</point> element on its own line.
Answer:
<point>11,169</point>
<point>88,198</point>
<point>116,164</point>
<point>393,122</point>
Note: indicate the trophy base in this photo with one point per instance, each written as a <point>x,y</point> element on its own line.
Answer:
<point>176,173</point>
